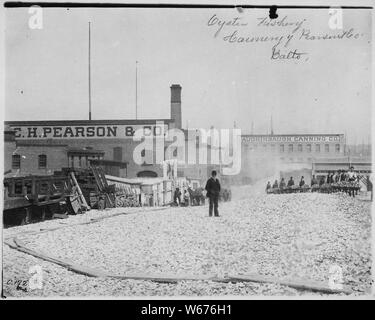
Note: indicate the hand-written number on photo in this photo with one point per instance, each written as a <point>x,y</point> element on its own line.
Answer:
<point>36,18</point>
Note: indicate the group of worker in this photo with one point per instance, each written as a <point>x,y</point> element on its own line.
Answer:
<point>331,178</point>
<point>189,197</point>
<point>335,177</point>
<point>282,185</point>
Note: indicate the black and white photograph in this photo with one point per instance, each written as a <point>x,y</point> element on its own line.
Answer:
<point>187,151</point>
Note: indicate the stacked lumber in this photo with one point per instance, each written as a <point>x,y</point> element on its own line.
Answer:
<point>90,189</point>
<point>127,191</point>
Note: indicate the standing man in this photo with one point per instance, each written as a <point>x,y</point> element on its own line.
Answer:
<point>213,191</point>
<point>352,175</point>
<point>177,197</point>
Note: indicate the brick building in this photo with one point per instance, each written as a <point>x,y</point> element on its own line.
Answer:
<point>42,147</point>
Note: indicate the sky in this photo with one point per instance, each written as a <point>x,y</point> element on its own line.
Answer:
<point>327,90</point>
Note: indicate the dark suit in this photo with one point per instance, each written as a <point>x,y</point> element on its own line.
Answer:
<point>213,191</point>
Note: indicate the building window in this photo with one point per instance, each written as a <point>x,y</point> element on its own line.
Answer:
<point>290,148</point>
<point>143,153</point>
<point>337,148</point>
<point>175,153</point>
<point>117,154</point>
<point>326,147</point>
<point>281,148</point>
<point>272,148</point>
<point>16,161</point>
<point>42,161</point>
<point>300,148</point>
<point>308,147</point>
<point>317,148</point>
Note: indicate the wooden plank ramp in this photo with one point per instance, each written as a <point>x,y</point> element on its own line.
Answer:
<point>18,245</point>
<point>163,278</point>
<point>300,284</point>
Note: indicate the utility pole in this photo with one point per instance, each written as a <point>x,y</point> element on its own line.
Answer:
<point>136,90</point>
<point>89,57</point>
<point>368,146</point>
<point>363,146</point>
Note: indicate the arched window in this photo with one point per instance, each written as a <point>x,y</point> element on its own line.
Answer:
<point>42,161</point>
<point>326,148</point>
<point>281,148</point>
<point>317,148</point>
<point>290,148</point>
<point>300,148</point>
<point>308,148</point>
<point>16,161</point>
<point>337,148</point>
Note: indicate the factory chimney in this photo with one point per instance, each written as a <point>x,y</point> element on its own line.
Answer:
<point>176,114</point>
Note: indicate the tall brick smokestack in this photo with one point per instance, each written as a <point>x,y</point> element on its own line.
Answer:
<point>176,114</point>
